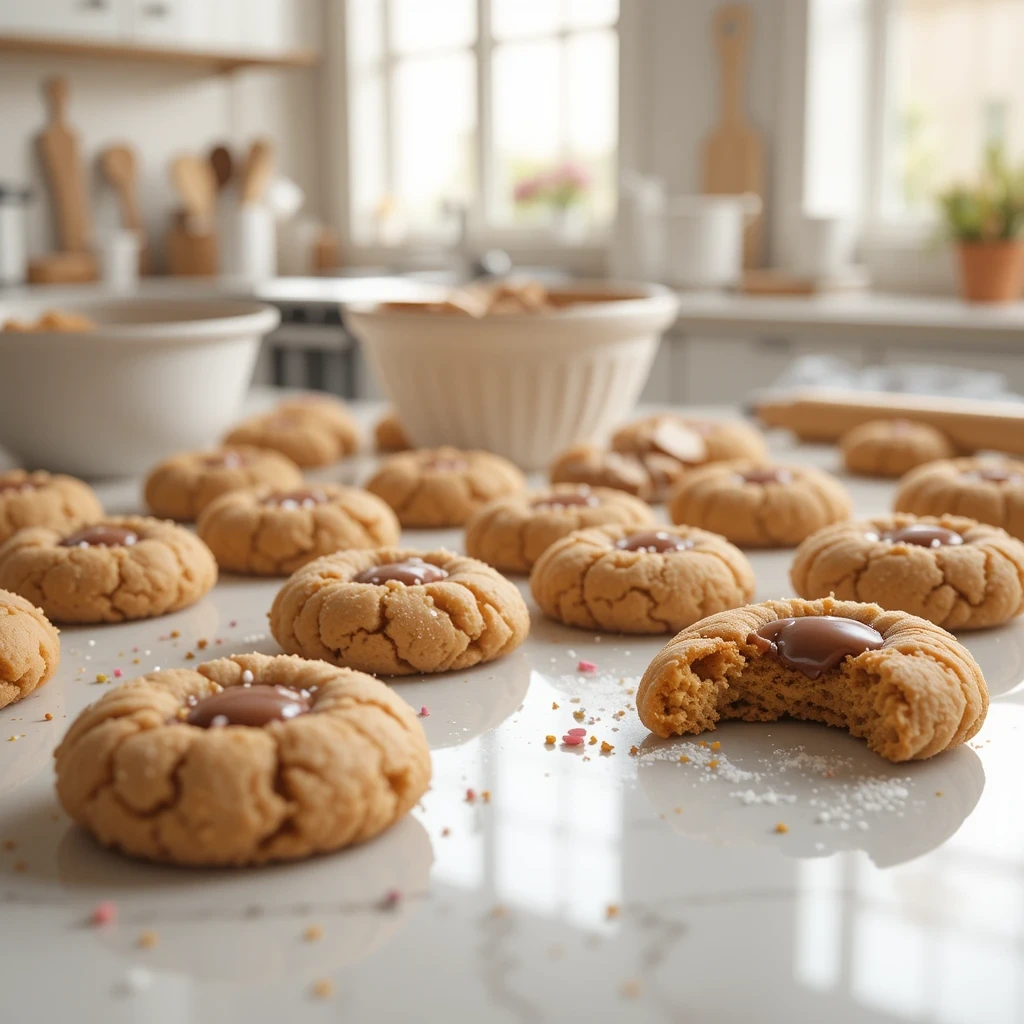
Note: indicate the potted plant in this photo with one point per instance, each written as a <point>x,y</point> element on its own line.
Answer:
<point>561,189</point>
<point>986,220</point>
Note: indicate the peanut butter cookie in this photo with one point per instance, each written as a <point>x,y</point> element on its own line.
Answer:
<point>39,499</point>
<point>892,447</point>
<point>313,430</point>
<point>245,760</point>
<point>760,506</point>
<point>654,580</point>
<point>512,533</point>
<point>673,434</point>
<point>439,487</point>
<point>183,485</point>
<point>650,476</point>
<point>124,567</point>
<point>988,489</point>
<point>398,612</point>
<point>268,532</point>
<point>955,572</point>
<point>900,682</point>
<point>29,648</point>
<point>390,434</point>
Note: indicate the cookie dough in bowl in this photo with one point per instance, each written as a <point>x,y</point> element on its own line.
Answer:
<point>399,612</point>
<point>183,485</point>
<point>892,447</point>
<point>512,533</point>
<point>652,580</point>
<point>269,532</point>
<point>244,760</point>
<point>42,499</point>
<point>29,648</point>
<point>958,573</point>
<point>897,681</point>
<point>648,475</point>
<point>119,568</point>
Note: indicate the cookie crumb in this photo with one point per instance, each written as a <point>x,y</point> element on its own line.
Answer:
<point>202,644</point>
<point>716,745</point>
<point>631,988</point>
<point>148,939</point>
<point>104,913</point>
<point>586,666</point>
<point>189,655</point>
<point>48,717</point>
<point>554,706</point>
<point>424,711</point>
<point>606,747</point>
<point>781,828</point>
<point>713,763</point>
<point>175,634</point>
<point>101,678</point>
<point>136,661</point>
<point>634,750</point>
<point>703,743</point>
<point>549,740</point>
<point>323,988</point>
<point>938,792</point>
<point>10,844</point>
<point>579,715</point>
<point>486,796</point>
<point>683,759</point>
<point>612,910</point>
<point>593,740</point>
<point>446,832</point>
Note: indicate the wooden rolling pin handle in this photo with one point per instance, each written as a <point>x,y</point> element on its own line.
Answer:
<point>732,37</point>
<point>57,94</point>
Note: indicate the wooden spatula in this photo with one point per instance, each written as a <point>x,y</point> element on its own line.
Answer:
<point>223,165</point>
<point>120,168</point>
<point>58,147</point>
<point>733,153</point>
<point>197,186</point>
<point>256,171</point>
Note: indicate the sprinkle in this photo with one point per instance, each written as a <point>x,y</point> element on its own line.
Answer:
<point>20,865</point>
<point>445,832</point>
<point>424,711</point>
<point>175,634</point>
<point>716,745</point>
<point>577,732</point>
<point>10,844</point>
<point>48,717</point>
<point>549,740</point>
<point>938,792</point>
<point>136,661</point>
<point>392,898</point>
<point>713,764</point>
<point>486,796</point>
<point>703,743</point>
<point>189,655</point>
<point>92,643</point>
<point>554,706</point>
<point>593,740</point>
<point>104,913</point>
<point>118,673</point>
<point>572,741</point>
<point>101,678</point>
<point>148,939</point>
<point>233,623</point>
<point>247,677</point>
<point>612,910</point>
<point>586,666</point>
<point>683,759</point>
<point>323,988</point>
<point>677,810</point>
<point>782,828</point>
<point>631,988</point>
<point>314,933</point>
<point>606,747</point>
<point>202,644</point>
<point>470,796</point>
<point>579,715</point>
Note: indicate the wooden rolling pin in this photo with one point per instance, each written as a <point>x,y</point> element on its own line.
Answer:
<point>971,424</point>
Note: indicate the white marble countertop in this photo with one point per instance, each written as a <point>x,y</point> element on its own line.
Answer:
<point>600,888</point>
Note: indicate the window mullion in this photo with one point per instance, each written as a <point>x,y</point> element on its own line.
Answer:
<point>388,87</point>
<point>483,199</point>
<point>880,79</point>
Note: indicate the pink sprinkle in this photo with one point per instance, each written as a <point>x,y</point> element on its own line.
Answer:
<point>392,898</point>
<point>118,673</point>
<point>104,913</point>
<point>586,666</point>
<point>572,741</point>
<point>577,732</point>
<point>424,712</point>
<point>135,650</point>
<point>470,796</point>
<point>233,623</point>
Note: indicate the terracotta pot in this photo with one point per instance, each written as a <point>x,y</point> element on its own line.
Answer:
<point>992,271</point>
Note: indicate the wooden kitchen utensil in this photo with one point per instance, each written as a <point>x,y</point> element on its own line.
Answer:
<point>256,171</point>
<point>59,149</point>
<point>733,153</point>
<point>120,168</point>
<point>223,165</point>
<point>191,254</point>
<point>63,268</point>
<point>194,179</point>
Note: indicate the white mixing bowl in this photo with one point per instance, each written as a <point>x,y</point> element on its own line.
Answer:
<point>153,378</point>
<point>524,385</point>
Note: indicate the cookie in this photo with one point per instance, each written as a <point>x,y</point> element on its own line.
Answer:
<point>390,435</point>
<point>653,580</point>
<point>398,612</point>
<point>441,487</point>
<point>267,532</point>
<point>892,447</point>
<point>897,681</point>
<point>650,476</point>
<point>955,572</point>
<point>29,648</point>
<point>243,760</point>
<point>988,489</point>
<point>673,434</point>
<point>314,430</point>
<point>760,506</point>
<point>119,568</point>
<point>183,485</point>
<point>512,533</point>
<point>39,499</point>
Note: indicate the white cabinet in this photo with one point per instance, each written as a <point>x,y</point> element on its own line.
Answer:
<point>279,25</point>
<point>66,19</point>
<point>154,21</point>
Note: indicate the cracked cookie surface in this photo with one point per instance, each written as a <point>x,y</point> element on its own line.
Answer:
<point>512,533</point>
<point>441,487</point>
<point>650,476</point>
<point>29,648</point>
<point>390,435</point>
<point>270,532</point>
<point>312,430</point>
<point>135,773</point>
<point>722,439</point>
<point>892,447</point>
<point>972,578</point>
<point>469,615</point>
<point>614,578</point>
<point>760,506</point>
<point>988,489</point>
<point>183,485</point>
<point>163,569</point>
<point>41,499</point>
<point>919,693</point>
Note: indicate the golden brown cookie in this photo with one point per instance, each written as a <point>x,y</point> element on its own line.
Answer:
<point>398,612</point>
<point>760,506</point>
<point>671,434</point>
<point>29,648</point>
<point>512,533</point>
<point>650,476</point>
<point>390,434</point>
<point>439,487</point>
<point>121,567</point>
<point>892,447</point>
<point>313,430</point>
<point>900,682</point>
<point>653,580</point>
<point>183,485</point>
<point>244,760</point>
<point>955,572</point>
<point>989,489</point>
<point>268,532</point>
<point>39,499</point>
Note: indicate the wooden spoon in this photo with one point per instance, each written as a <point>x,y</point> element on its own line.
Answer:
<point>256,172</point>
<point>119,166</point>
<point>223,165</point>
<point>194,179</point>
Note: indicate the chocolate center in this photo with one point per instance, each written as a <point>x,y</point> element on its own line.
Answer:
<point>654,541</point>
<point>922,534</point>
<point>295,499</point>
<point>225,460</point>
<point>248,705</point>
<point>814,644</point>
<point>993,475</point>
<point>678,441</point>
<point>413,572</point>
<point>6,486</point>
<point>566,499</point>
<point>445,464</point>
<point>767,475</point>
<point>101,537</point>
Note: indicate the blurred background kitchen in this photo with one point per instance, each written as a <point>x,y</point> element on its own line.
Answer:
<point>835,186</point>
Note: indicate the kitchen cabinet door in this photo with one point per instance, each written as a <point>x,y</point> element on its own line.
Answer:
<point>66,19</point>
<point>155,21</point>
<point>279,26</point>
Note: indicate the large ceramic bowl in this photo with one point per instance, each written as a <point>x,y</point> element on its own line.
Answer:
<point>153,378</point>
<point>523,385</point>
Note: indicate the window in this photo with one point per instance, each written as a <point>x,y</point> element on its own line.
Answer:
<point>506,107</point>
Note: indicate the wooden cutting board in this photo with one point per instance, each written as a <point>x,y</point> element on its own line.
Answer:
<point>61,156</point>
<point>733,152</point>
